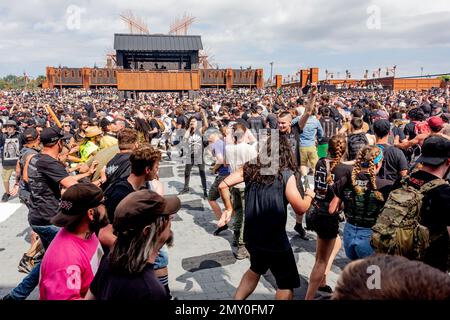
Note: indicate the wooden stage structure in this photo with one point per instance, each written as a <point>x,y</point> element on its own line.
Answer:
<point>155,63</point>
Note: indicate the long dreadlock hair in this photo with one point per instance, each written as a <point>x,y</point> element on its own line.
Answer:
<point>336,149</point>
<point>367,155</point>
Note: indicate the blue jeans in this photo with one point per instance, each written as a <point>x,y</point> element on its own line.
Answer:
<point>31,281</point>
<point>357,242</point>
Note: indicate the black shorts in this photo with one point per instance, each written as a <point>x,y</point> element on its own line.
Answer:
<point>214,193</point>
<point>327,227</point>
<point>320,221</point>
<point>281,264</point>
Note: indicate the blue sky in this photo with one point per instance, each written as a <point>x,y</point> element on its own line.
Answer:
<point>352,35</point>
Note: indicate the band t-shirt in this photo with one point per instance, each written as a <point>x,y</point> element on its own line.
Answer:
<point>118,167</point>
<point>44,175</point>
<point>69,266</point>
<point>11,149</point>
<point>321,187</point>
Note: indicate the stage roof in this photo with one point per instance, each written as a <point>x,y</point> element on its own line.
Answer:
<point>156,42</point>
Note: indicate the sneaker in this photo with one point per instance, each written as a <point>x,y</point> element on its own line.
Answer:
<point>326,289</point>
<point>26,264</point>
<point>5,197</point>
<point>7,298</point>
<point>241,253</point>
<point>184,191</point>
<point>302,233</point>
<point>219,230</point>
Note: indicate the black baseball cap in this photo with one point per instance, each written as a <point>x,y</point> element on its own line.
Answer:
<point>30,134</point>
<point>76,201</point>
<point>381,127</point>
<point>435,151</point>
<point>51,135</point>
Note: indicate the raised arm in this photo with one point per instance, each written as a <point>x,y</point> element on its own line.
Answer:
<point>204,120</point>
<point>309,107</point>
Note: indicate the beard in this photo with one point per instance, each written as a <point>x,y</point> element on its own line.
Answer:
<point>98,223</point>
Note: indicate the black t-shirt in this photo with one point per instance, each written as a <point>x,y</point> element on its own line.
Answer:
<point>90,111</point>
<point>107,285</point>
<point>182,120</point>
<point>329,127</point>
<point>266,214</point>
<point>25,153</point>
<point>336,115</point>
<point>115,194</point>
<point>394,161</point>
<point>410,130</point>
<point>322,189</point>
<point>256,123</point>
<point>154,124</point>
<point>294,141</point>
<point>272,120</point>
<point>362,210</point>
<point>44,175</point>
<point>118,167</point>
<point>435,215</point>
<point>399,131</point>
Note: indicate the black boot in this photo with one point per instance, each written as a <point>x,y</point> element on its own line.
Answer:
<point>301,232</point>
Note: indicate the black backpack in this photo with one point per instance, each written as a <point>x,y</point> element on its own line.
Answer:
<point>356,142</point>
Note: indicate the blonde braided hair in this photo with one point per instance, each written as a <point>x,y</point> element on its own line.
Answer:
<point>367,155</point>
<point>336,149</point>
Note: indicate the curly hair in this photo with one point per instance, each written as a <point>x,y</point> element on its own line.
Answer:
<point>253,172</point>
<point>144,156</point>
<point>336,149</point>
<point>367,155</point>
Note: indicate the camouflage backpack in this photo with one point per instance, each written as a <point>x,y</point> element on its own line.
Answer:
<point>398,230</point>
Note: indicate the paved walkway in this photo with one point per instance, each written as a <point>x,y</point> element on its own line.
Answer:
<point>202,266</point>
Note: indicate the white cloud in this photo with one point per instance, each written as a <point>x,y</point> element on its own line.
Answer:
<point>237,32</point>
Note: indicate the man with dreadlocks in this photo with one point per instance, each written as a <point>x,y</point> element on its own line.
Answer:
<point>328,170</point>
<point>364,195</point>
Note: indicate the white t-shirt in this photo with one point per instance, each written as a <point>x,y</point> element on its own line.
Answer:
<point>236,155</point>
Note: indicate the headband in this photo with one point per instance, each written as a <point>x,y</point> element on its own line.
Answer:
<point>376,160</point>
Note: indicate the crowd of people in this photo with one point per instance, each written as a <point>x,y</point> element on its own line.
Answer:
<point>85,164</point>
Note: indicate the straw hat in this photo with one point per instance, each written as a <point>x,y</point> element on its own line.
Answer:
<point>93,131</point>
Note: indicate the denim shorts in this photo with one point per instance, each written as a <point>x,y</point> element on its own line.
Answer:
<point>162,260</point>
<point>357,242</point>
